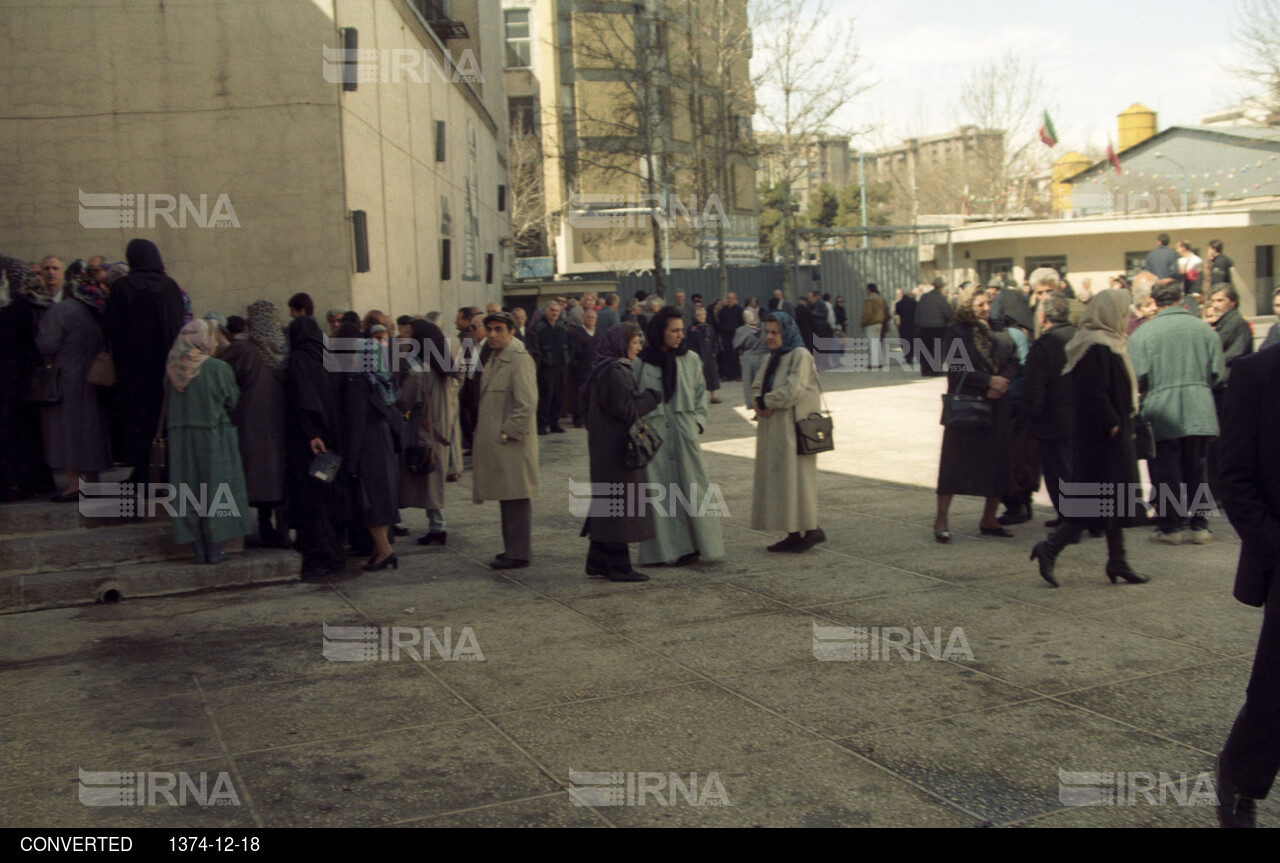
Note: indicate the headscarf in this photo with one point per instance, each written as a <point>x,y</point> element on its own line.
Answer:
<point>305,338</point>
<point>654,355</point>
<point>613,345</point>
<point>983,338</point>
<point>434,347</point>
<point>1106,323</point>
<point>267,337</point>
<point>23,282</point>
<point>217,319</point>
<point>80,285</point>
<point>194,345</point>
<point>791,339</point>
<point>374,362</point>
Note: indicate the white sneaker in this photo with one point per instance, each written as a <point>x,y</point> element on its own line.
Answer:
<point>1202,536</point>
<point>1177,537</point>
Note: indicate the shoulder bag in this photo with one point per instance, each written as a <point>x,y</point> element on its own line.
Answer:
<point>964,411</point>
<point>44,387</point>
<point>102,372</point>
<point>421,460</point>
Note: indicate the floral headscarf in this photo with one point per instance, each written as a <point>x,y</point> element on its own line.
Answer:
<point>374,362</point>
<point>267,336</point>
<point>194,345</point>
<point>82,286</point>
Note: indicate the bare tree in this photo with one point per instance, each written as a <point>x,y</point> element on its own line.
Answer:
<point>1258,37</point>
<point>1007,95</point>
<point>530,219</point>
<point>810,70</point>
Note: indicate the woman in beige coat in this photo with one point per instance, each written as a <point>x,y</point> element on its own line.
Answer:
<point>425,394</point>
<point>504,448</point>
<point>785,493</point>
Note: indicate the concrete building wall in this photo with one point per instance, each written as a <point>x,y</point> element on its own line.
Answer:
<point>233,98</point>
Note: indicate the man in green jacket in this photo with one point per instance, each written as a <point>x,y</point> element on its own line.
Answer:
<point>1178,360</point>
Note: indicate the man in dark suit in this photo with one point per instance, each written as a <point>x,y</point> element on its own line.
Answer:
<point>1047,395</point>
<point>1249,477</point>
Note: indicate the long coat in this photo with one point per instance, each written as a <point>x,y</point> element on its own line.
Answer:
<point>1249,471</point>
<point>259,420</point>
<point>784,496</point>
<point>425,490</point>
<point>204,456</point>
<point>508,405</point>
<point>77,430</point>
<point>1046,394</point>
<point>373,452</point>
<point>1178,360</point>
<point>678,463</point>
<point>612,407</point>
<point>1103,399</point>
<point>704,341</point>
<point>978,462</point>
<point>750,340</point>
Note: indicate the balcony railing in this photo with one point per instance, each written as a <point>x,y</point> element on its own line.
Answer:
<point>437,17</point>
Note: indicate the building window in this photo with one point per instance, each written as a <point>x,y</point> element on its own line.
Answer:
<point>1053,262</point>
<point>488,268</point>
<point>523,114</point>
<point>1134,262</point>
<point>446,260</point>
<point>987,269</point>
<point>502,199</point>
<point>519,45</point>
<point>440,140</point>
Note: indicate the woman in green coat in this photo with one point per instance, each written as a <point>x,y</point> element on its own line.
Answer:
<point>211,504</point>
<point>679,493</point>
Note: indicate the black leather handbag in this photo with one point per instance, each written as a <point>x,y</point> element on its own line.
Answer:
<point>1144,440</point>
<point>642,445</point>
<point>964,411</point>
<point>814,432</point>
<point>44,387</point>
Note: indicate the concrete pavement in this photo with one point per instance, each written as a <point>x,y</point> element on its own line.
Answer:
<point>708,669</point>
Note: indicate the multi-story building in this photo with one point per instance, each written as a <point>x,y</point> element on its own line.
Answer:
<point>952,173</point>
<point>622,108</point>
<point>352,149</point>
<point>825,160</point>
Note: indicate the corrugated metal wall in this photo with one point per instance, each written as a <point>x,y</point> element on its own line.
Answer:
<point>846,272</point>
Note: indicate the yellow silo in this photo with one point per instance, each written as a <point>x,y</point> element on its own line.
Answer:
<point>1137,124</point>
<point>1063,170</point>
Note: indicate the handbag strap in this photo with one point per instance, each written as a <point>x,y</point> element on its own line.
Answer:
<point>164,413</point>
<point>822,397</point>
<point>959,386</point>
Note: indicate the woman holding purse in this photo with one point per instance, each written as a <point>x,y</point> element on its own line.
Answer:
<point>613,406</point>
<point>785,491</point>
<point>424,394</point>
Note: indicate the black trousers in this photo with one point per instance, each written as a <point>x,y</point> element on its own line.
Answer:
<point>517,527</point>
<point>1055,461</point>
<point>550,395</point>
<point>1251,755</point>
<point>1178,475</point>
<point>609,555</point>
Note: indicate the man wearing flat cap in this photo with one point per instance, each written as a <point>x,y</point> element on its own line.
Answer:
<point>505,445</point>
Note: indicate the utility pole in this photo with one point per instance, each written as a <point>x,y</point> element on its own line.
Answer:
<point>862,182</point>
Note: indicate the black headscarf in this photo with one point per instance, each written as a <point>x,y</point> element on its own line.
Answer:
<point>1015,310</point>
<point>654,355</point>
<point>348,330</point>
<point>312,389</point>
<point>146,269</point>
<point>435,349</point>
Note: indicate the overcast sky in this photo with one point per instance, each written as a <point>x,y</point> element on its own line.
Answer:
<point>1097,57</point>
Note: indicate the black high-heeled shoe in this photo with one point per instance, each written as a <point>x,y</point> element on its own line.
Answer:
<point>390,560</point>
<point>996,531</point>
<point>1117,569</point>
<point>1045,556</point>
<point>440,536</point>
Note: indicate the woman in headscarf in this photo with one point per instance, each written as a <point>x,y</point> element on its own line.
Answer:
<point>22,468</point>
<point>143,316</point>
<point>313,425</point>
<point>785,492</point>
<point>750,341</point>
<point>1105,393</point>
<point>259,360</point>
<point>976,461</point>
<point>613,405</point>
<point>77,430</point>
<point>204,453</point>
<point>372,460</point>
<point>424,395</point>
<point>1018,324</point>
<point>667,366</point>
<point>705,342</point>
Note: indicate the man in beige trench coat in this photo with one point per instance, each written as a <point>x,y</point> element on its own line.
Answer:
<point>504,450</point>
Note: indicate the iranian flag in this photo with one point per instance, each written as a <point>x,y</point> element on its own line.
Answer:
<point>1113,158</point>
<point>1047,133</point>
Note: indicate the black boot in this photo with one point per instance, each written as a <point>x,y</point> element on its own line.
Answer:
<point>1046,553</point>
<point>1117,566</point>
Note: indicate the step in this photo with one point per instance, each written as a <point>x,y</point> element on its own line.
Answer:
<point>32,591</point>
<point>32,517</point>
<point>82,548</point>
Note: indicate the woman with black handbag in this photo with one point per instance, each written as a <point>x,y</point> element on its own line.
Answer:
<point>976,455</point>
<point>424,394</point>
<point>785,492</point>
<point>613,406</point>
<point>1104,396</point>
